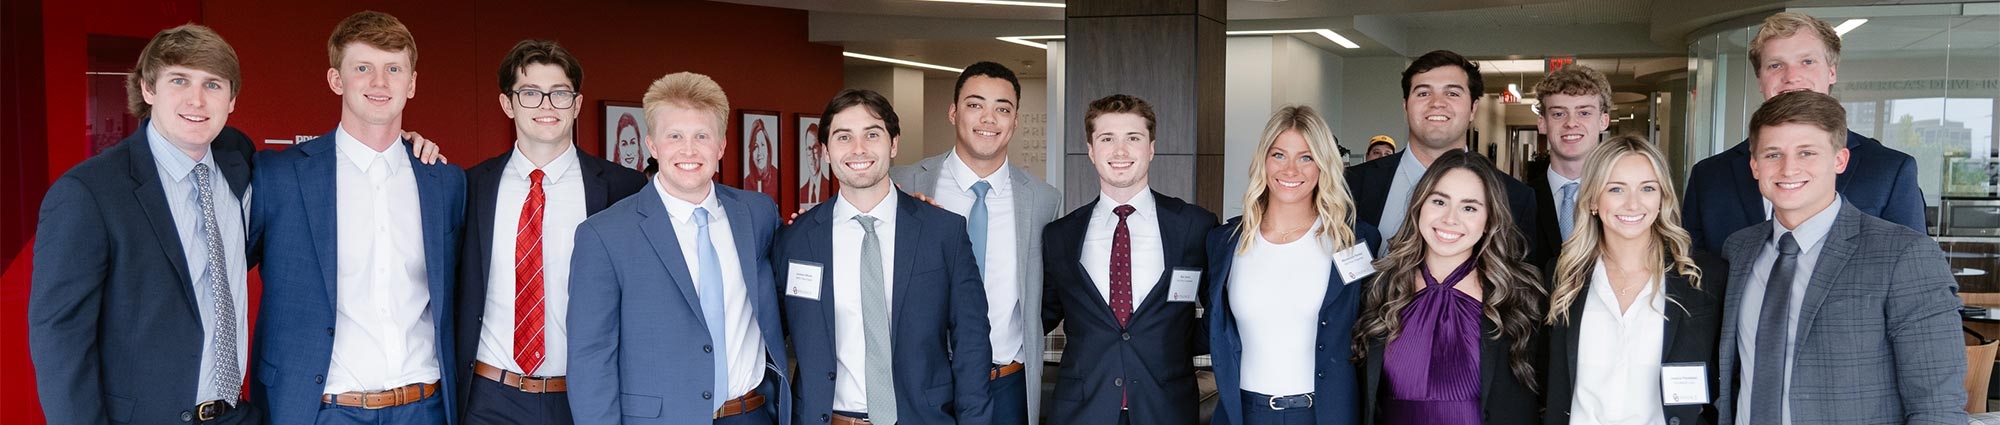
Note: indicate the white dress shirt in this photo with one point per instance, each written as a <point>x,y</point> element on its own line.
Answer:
<point>744,337</point>
<point>850,344</point>
<point>1148,256</point>
<point>1275,292</point>
<point>1618,366</point>
<point>184,201</point>
<point>562,211</point>
<point>1397,204</point>
<point>384,335</point>
<point>1001,273</point>
<point>1811,236</point>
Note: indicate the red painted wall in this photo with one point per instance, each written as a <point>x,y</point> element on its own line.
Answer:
<point>759,55</point>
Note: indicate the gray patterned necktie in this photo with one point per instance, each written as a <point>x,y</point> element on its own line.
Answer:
<point>877,368</point>
<point>1767,388</point>
<point>228,379</point>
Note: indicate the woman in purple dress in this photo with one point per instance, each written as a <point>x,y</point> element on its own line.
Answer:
<point>1448,330</point>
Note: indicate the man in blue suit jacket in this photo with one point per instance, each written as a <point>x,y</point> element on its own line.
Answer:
<point>1794,51</point>
<point>129,307</point>
<point>673,311</point>
<point>1132,334</point>
<point>359,248</point>
<point>882,295</point>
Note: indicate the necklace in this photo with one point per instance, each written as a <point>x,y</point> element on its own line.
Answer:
<point>1285,235</point>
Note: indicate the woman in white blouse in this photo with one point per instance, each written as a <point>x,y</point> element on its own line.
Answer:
<point>1633,320</point>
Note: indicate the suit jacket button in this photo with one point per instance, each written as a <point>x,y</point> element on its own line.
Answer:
<point>1118,382</point>
<point>1321,375</point>
<point>329,331</point>
<point>1322,323</point>
<point>823,418</point>
<point>707,348</point>
<point>319,379</point>
<point>1126,335</point>
<point>1322,347</point>
<point>1673,421</point>
<point>707,395</point>
<point>829,376</point>
<point>187,416</point>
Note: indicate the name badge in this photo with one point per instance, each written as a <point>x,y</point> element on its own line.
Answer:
<point>1185,286</point>
<point>1684,383</point>
<point>803,280</point>
<point>1355,262</point>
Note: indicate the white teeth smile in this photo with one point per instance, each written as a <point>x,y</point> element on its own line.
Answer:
<point>1571,137</point>
<point>860,165</point>
<point>687,166</point>
<point>194,118</point>
<point>1445,236</point>
<point>986,133</point>
<point>1790,186</point>
<point>1291,184</point>
<point>547,120</point>
<point>1437,118</point>
<point>1629,219</point>
<point>1123,164</point>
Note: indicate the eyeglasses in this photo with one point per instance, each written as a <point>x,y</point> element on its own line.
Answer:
<point>531,98</point>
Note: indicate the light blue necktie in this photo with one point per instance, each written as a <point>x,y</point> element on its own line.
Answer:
<point>1566,211</point>
<point>711,304</point>
<point>878,366</point>
<point>975,222</point>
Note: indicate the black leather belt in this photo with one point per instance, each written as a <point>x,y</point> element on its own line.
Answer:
<point>211,410</point>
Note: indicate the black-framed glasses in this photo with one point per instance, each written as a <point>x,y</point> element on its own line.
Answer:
<point>531,98</point>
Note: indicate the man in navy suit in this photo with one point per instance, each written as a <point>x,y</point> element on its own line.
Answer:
<point>359,248</point>
<point>1124,273</point>
<point>882,295</point>
<point>673,311</point>
<point>137,309</point>
<point>1575,108</point>
<point>1791,52</point>
<point>525,206</point>
<point>1440,93</point>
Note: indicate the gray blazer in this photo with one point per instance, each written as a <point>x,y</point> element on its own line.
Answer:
<point>1036,203</point>
<point>1875,341</point>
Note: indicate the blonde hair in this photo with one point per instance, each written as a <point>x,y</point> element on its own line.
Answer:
<point>191,46</point>
<point>1787,24</point>
<point>687,90</point>
<point>1586,242</point>
<point>1334,204</point>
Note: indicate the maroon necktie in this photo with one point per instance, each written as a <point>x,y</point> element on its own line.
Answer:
<point>1121,267</point>
<point>528,280</point>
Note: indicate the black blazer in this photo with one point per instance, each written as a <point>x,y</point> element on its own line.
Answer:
<point>604,183</point>
<point>1370,184</point>
<point>1153,355</point>
<point>113,327</point>
<point>1503,399</point>
<point>1694,317</point>
<point>1549,240</point>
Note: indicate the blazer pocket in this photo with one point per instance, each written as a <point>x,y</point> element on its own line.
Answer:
<point>118,408</point>
<point>639,406</point>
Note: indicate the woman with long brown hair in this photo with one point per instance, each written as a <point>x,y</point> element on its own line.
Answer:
<point>1629,283</point>
<point>1449,326</point>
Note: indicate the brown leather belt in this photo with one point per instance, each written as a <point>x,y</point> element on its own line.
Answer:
<point>1003,371</point>
<point>740,405</point>
<point>527,384</point>
<point>839,419</point>
<point>382,399</point>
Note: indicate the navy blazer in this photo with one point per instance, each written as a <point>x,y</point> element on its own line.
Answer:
<point>939,314</point>
<point>639,347</point>
<point>603,183</point>
<point>1150,360</point>
<point>1722,195</point>
<point>1694,317</point>
<point>1370,183</point>
<point>113,327</point>
<point>1336,395</point>
<point>293,225</point>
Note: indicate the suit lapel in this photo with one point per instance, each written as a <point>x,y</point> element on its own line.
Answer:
<point>909,240</point>
<point>1671,288</point>
<point>319,170</point>
<point>1741,260</point>
<point>1167,213</point>
<point>153,201</point>
<point>817,226</point>
<point>741,231</point>
<point>236,172</point>
<point>484,200</point>
<point>438,247</point>
<point>1575,331</point>
<point>1074,247</point>
<point>1836,250</point>
<point>659,229</point>
<point>926,178</point>
<point>597,190</point>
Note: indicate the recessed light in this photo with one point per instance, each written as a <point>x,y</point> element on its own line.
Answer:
<point>901,62</point>
<point>1003,3</point>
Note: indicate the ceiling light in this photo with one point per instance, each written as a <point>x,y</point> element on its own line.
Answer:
<point>1002,3</point>
<point>1028,40</point>
<point>1850,25</point>
<point>1329,34</point>
<point>901,62</point>
<point>1519,66</point>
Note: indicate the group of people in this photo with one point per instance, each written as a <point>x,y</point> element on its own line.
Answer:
<point>1424,287</point>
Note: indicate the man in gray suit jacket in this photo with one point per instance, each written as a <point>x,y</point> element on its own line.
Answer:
<point>1839,316</point>
<point>975,181</point>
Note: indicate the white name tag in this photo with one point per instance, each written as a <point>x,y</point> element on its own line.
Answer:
<point>1355,262</point>
<point>1185,286</point>
<point>803,281</point>
<point>1684,383</point>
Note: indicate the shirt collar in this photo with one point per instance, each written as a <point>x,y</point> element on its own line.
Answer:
<point>1143,203</point>
<point>885,211</point>
<point>963,177</point>
<point>519,166</point>
<point>1811,231</point>
<point>1409,164</point>
<point>170,159</point>
<point>683,211</point>
<point>362,156</point>
<point>1556,179</point>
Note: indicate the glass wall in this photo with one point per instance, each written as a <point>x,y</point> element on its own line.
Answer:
<point>1923,79</point>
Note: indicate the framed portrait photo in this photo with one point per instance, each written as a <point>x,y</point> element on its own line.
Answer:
<point>625,133</point>
<point>816,182</point>
<point>761,158</point>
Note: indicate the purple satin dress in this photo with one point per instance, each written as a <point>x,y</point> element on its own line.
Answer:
<point>1431,370</point>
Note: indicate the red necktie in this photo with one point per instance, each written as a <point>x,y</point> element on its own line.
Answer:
<point>1121,267</point>
<point>528,280</point>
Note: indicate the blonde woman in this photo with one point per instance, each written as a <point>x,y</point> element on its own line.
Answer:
<point>1627,283</point>
<point>1450,324</point>
<point>1285,284</point>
